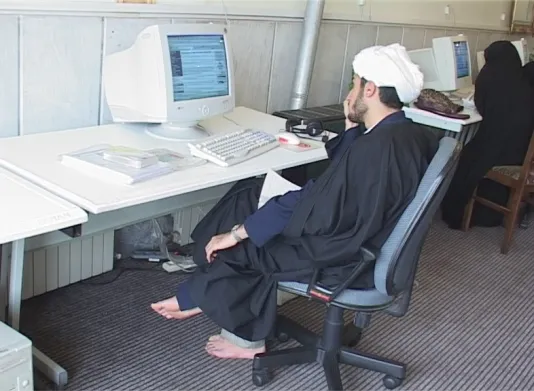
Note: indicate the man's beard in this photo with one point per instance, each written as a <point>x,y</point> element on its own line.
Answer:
<point>358,110</point>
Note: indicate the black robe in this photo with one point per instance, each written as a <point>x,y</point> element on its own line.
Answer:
<point>357,200</point>
<point>504,99</point>
<point>529,73</point>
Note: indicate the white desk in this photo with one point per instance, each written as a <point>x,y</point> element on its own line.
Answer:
<point>27,210</point>
<point>462,130</point>
<point>35,157</point>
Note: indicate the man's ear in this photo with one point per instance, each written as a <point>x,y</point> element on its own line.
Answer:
<point>370,89</point>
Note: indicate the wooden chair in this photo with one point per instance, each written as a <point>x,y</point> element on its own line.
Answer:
<point>520,180</point>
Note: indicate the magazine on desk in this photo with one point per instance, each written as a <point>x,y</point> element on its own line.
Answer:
<point>123,165</point>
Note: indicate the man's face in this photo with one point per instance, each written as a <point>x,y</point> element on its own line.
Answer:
<point>357,106</point>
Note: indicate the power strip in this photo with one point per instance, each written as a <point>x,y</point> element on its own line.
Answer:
<point>173,266</point>
<point>170,267</point>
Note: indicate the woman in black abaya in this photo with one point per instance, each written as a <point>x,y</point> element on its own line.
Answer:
<point>504,99</point>
<point>529,73</point>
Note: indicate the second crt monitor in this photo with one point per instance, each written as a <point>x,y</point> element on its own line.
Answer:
<point>173,75</point>
<point>447,65</point>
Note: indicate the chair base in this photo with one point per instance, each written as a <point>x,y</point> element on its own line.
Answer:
<point>327,350</point>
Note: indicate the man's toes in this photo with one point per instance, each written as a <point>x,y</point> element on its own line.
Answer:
<point>171,314</point>
<point>212,349</point>
<point>170,304</point>
<point>156,307</point>
<point>159,309</point>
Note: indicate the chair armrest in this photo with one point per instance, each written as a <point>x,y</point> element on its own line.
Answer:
<point>370,253</point>
<point>326,295</point>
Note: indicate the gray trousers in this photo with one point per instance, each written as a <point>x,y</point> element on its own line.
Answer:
<point>242,343</point>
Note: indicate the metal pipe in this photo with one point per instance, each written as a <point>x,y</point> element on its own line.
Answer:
<point>308,49</point>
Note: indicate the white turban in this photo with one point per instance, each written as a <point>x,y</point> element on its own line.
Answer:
<point>390,66</point>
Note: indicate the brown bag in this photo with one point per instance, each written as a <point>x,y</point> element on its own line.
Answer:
<point>437,101</point>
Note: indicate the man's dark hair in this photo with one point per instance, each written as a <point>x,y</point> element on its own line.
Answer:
<point>387,95</point>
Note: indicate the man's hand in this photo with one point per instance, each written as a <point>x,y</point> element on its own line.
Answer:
<point>346,109</point>
<point>217,243</point>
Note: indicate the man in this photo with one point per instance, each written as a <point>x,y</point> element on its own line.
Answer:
<point>374,173</point>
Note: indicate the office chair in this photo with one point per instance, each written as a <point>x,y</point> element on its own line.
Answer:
<point>394,275</point>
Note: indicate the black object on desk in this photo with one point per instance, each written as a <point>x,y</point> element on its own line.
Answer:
<point>332,118</point>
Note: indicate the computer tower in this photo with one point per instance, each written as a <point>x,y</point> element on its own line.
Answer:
<point>16,367</point>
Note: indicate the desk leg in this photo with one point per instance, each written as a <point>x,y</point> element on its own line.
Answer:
<point>44,364</point>
<point>471,131</point>
<point>52,371</point>
<point>467,133</point>
<point>15,283</point>
<point>4,278</point>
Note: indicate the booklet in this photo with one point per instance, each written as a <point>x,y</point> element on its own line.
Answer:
<point>274,185</point>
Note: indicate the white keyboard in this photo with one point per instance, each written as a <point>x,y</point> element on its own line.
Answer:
<point>235,147</point>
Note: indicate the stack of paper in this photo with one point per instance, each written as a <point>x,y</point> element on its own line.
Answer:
<point>124,165</point>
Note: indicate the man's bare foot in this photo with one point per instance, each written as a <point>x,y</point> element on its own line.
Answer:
<point>220,347</point>
<point>170,309</point>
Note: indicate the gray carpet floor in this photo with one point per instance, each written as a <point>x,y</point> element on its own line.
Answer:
<point>470,327</point>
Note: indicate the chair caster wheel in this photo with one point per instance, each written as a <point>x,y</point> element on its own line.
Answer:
<point>261,377</point>
<point>282,337</point>
<point>391,382</point>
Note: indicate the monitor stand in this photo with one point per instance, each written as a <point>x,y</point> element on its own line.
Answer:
<point>177,133</point>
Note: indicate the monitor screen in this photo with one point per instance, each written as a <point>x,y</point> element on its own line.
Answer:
<point>461,53</point>
<point>199,66</point>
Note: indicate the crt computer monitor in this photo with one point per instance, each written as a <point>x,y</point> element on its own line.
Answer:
<point>521,47</point>
<point>447,65</point>
<point>171,78</point>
